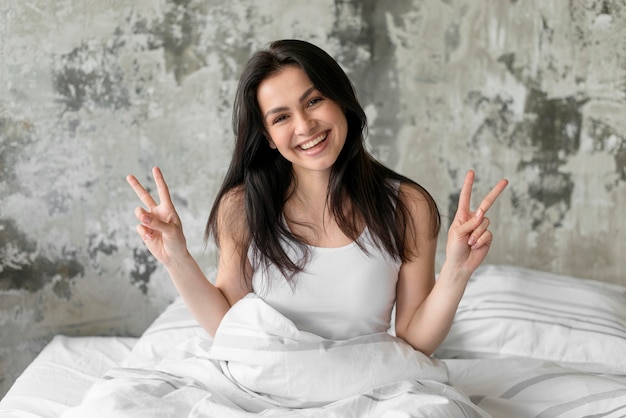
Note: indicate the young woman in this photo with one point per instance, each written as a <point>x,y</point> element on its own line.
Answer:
<point>312,223</point>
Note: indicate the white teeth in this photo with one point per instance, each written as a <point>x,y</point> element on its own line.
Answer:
<point>313,142</point>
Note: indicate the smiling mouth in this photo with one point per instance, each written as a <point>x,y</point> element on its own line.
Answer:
<point>315,141</point>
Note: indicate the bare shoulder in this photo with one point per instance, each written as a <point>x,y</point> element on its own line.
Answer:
<point>420,206</point>
<point>414,196</point>
<point>232,239</point>
<point>231,215</point>
<point>232,200</point>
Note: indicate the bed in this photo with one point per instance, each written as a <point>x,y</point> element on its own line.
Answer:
<point>524,343</point>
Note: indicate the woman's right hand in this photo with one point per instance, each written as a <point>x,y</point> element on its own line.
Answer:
<point>159,227</point>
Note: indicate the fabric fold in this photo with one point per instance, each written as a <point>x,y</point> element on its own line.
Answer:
<point>260,363</point>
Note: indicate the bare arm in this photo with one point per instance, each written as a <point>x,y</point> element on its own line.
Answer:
<point>162,232</point>
<point>425,308</point>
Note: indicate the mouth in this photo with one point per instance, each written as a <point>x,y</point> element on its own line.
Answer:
<point>314,142</point>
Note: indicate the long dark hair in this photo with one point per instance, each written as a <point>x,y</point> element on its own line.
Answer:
<point>360,188</point>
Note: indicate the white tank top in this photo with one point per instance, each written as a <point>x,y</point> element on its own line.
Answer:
<point>342,292</point>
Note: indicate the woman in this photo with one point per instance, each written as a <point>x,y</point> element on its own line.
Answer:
<point>312,223</point>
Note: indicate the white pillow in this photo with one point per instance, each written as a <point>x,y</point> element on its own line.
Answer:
<point>175,325</point>
<point>512,311</point>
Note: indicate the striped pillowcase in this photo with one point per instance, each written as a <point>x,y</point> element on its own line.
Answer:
<point>512,311</point>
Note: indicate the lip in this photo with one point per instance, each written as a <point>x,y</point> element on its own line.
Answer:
<point>319,148</point>
<point>311,138</point>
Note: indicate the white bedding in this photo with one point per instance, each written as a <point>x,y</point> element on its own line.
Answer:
<point>525,387</point>
<point>259,362</point>
<point>524,344</point>
<point>58,378</point>
<point>512,311</point>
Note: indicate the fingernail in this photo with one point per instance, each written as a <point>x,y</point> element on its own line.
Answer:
<point>479,213</point>
<point>147,237</point>
<point>146,219</point>
<point>471,241</point>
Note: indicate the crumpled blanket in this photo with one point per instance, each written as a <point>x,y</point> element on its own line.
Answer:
<point>259,363</point>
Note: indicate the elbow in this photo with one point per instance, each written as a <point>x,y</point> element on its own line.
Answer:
<point>417,344</point>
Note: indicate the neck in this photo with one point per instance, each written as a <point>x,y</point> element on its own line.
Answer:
<point>311,188</point>
<point>308,196</point>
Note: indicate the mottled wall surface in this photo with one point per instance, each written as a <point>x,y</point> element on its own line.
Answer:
<point>93,90</point>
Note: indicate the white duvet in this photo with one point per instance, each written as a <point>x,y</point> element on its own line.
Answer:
<point>260,363</point>
<point>523,344</point>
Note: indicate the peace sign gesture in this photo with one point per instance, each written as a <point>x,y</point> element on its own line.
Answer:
<point>160,226</point>
<point>468,237</point>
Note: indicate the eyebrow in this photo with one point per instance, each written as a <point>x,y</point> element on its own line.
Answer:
<point>306,94</point>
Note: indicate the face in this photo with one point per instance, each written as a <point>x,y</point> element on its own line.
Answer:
<point>307,128</point>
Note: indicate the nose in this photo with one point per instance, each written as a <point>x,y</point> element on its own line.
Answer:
<point>305,124</point>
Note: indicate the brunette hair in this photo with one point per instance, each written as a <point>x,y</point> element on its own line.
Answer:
<point>361,189</point>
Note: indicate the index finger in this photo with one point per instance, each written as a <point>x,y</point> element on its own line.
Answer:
<point>491,197</point>
<point>142,193</point>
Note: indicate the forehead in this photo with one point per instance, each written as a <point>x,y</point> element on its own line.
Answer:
<point>283,87</point>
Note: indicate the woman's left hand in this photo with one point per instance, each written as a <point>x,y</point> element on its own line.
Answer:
<point>469,238</point>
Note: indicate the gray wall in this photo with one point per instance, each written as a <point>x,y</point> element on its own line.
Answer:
<point>93,90</point>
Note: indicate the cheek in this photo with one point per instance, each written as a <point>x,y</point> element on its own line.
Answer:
<point>279,137</point>
<point>340,118</point>
<point>343,124</point>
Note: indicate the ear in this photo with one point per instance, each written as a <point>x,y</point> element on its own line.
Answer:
<point>271,143</point>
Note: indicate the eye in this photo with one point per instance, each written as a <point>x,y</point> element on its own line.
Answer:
<point>315,101</point>
<point>279,119</point>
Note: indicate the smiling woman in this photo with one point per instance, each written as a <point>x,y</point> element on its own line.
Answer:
<point>332,241</point>
<point>308,129</point>
<point>91,91</point>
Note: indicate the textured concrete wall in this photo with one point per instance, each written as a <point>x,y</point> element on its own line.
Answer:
<point>92,90</point>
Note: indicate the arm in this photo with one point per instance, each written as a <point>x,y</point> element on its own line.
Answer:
<point>425,308</point>
<point>162,233</point>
